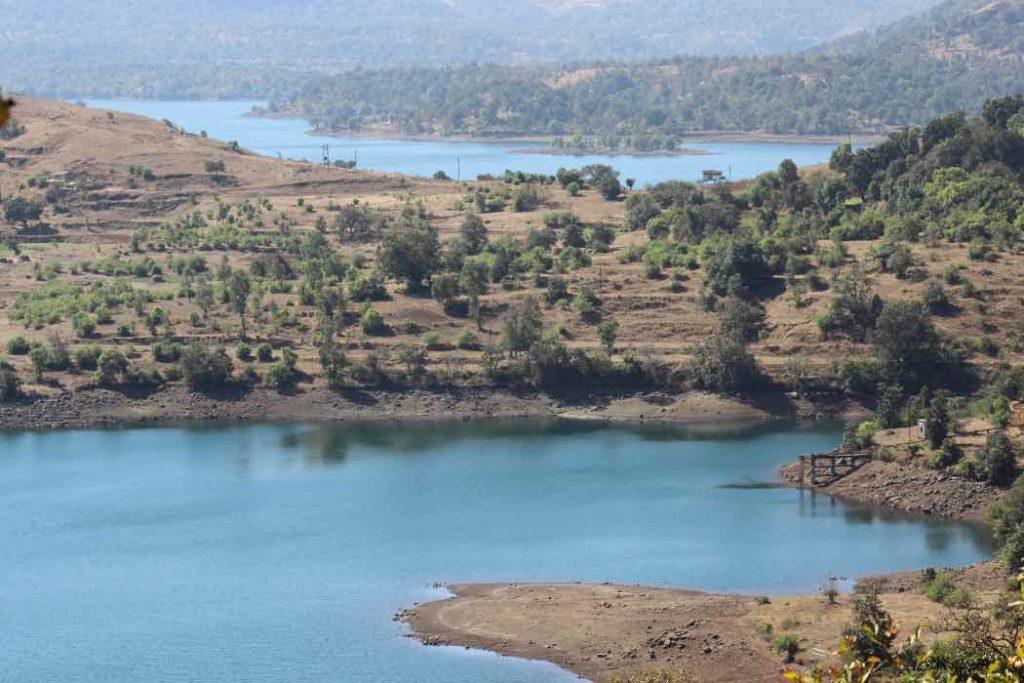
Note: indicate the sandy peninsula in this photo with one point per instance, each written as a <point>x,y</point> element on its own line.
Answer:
<point>599,630</point>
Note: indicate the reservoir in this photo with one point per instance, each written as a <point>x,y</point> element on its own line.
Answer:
<point>290,138</point>
<point>266,553</point>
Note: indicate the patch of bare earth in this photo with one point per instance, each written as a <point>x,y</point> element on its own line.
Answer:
<point>598,630</point>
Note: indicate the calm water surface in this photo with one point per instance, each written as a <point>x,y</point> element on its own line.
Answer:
<point>279,553</point>
<point>288,137</point>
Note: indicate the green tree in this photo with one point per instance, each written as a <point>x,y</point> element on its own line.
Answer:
<point>333,363</point>
<point>523,327</point>
<point>473,280</point>
<point>239,287</point>
<point>608,331</point>
<point>111,367</point>
<point>205,297</point>
<point>203,368</point>
<point>21,210</point>
<point>473,232</point>
<point>9,384</point>
<point>999,458</point>
<point>907,342</point>
<point>410,251</point>
<point>723,364</point>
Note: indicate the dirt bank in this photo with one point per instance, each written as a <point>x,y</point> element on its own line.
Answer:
<point>597,630</point>
<point>910,488</point>
<point>50,408</point>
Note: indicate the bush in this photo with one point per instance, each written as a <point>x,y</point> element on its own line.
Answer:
<point>368,372</point>
<point>948,455</point>
<point>939,587</point>
<point>111,366</point>
<point>83,325</point>
<point>466,339</point>
<point>786,644</point>
<point>86,357</point>
<point>1007,520</point>
<point>723,364</point>
<point>367,287</point>
<point>9,384</point>
<point>432,340</point>
<point>202,368</point>
<point>373,322</point>
<point>281,377</point>
<point>265,353</point>
<point>998,459</point>
<point>143,378</point>
<point>166,352</point>
<point>243,352</point>
<point>17,346</point>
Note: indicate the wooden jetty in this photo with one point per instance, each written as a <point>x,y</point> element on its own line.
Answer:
<point>827,468</point>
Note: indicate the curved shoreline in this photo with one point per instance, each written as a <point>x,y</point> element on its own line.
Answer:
<point>174,405</point>
<point>598,630</point>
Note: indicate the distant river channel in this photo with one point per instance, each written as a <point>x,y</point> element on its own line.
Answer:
<point>228,120</point>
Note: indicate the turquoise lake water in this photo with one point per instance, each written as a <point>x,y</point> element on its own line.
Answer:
<point>228,121</point>
<point>269,553</point>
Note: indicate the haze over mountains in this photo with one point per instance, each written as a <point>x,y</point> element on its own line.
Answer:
<point>948,58</point>
<point>596,67</point>
<point>60,44</point>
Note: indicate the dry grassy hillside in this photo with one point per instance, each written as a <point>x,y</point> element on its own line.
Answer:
<point>117,173</point>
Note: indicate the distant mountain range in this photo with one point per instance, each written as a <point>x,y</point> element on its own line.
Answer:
<point>238,47</point>
<point>950,57</point>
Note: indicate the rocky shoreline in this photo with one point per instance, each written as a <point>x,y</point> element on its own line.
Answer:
<point>907,488</point>
<point>599,630</point>
<point>95,407</point>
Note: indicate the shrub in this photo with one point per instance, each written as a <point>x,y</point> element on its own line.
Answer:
<point>373,322</point>
<point>86,357</point>
<point>466,339</point>
<point>367,287</point>
<point>1007,519</point>
<point>143,378</point>
<point>166,352</point>
<point>998,459</point>
<point>557,289</point>
<point>281,377</point>
<point>249,376</point>
<point>941,588</point>
<point>83,325</point>
<point>368,372</point>
<point>243,352</point>
<point>948,455</point>
<point>17,346</point>
<point>723,364</point>
<point>9,384</point>
<point>432,340</point>
<point>265,353</point>
<point>111,366</point>
<point>936,298</point>
<point>786,644</point>
<point>203,368</point>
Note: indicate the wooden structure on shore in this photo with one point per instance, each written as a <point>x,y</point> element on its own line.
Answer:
<point>827,468</point>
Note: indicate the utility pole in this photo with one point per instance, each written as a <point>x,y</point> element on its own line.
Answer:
<point>458,173</point>
<point>326,149</point>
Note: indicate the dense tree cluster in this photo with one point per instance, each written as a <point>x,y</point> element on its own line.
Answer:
<point>902,75</point>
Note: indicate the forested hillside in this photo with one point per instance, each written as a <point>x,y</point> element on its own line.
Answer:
<point>951,58</point>
<point>207,48</point>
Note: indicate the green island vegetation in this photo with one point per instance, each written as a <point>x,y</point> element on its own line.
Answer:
<point>905,74</point>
